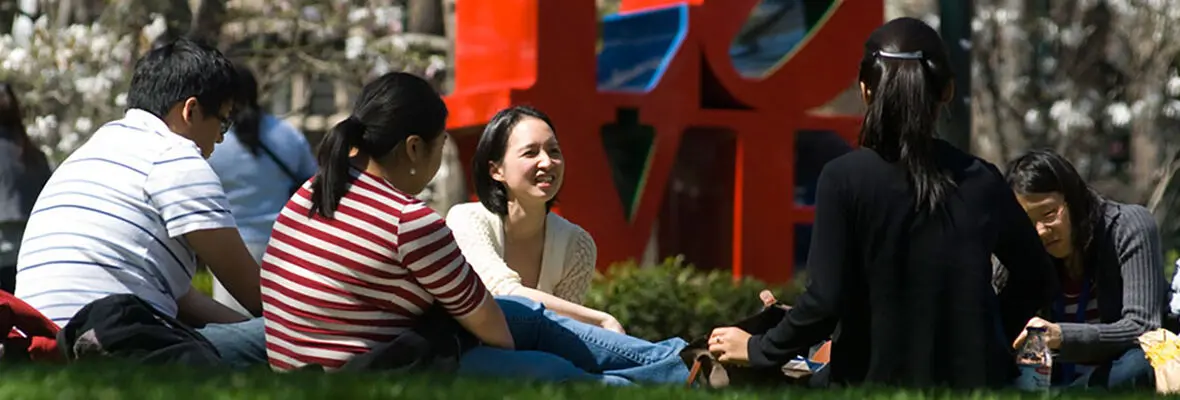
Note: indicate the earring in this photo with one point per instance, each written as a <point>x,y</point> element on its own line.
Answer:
<point>412,172</point>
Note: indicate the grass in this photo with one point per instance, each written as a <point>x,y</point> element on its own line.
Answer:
<point>203,281</point>
<point>1170,265</point>
<point>117,381</point>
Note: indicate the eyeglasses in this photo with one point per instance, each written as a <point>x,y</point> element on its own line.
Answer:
<point>225,124</point>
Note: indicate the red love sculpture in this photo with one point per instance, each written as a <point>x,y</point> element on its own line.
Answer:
<point>668,64</point>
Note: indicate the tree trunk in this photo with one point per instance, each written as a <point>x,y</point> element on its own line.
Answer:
<point>207,20</point>
<point>425,16</point>
<point>8,10</point>
<point>65,10</point>
<point>448,187</point>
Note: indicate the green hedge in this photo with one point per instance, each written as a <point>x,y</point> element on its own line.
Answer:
<point>671,299</point>
<point>674,299</point>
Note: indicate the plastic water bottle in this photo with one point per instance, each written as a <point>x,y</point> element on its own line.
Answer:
<point>1035,362</point>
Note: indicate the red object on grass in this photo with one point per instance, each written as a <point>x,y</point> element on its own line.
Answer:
<point>28,329</point>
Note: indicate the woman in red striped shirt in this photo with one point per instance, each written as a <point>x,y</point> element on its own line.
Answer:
<point>355,260</point>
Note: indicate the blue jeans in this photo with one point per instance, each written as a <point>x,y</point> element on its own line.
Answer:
<point>1130,370</point>
<point>241,344</point>
<point>556,348</point>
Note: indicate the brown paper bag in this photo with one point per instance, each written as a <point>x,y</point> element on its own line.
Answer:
<point>1162,348</point>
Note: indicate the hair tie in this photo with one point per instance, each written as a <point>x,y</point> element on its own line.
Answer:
<point>913,55</point>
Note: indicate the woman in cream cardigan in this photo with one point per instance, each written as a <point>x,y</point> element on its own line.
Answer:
<point>511,239</point>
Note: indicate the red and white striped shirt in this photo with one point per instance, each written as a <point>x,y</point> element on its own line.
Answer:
<point>1072,289</point>
<point>335,288</point>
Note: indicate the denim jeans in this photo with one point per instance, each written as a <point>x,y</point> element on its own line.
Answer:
<point>241,344</point>
<point>556,348</point>
<point>1130,370</point>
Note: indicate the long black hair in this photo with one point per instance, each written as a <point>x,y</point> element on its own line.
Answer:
<point>389,110</point>
<point>11,120</point>
<point>492,145</point>
<point>247,117</point>
<point>1044,172</point>
<point>906,73</point>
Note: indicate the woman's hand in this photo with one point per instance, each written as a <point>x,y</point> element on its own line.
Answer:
<point>1052,333</point>
<point>730,345</point>
<point>609,323</point>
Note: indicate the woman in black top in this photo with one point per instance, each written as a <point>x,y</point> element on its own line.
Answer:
<point>23,172</point>
<point>904,231</point>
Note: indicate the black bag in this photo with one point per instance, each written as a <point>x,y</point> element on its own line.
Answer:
<point>436,344</point>
<point>126,327</point>
<point>705,367</point>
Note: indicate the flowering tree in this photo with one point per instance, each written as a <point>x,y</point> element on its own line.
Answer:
<point>69,79</point>
<point>75,76</point>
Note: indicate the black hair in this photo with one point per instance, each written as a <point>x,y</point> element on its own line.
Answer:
<point>906,72</point>
<point>493,143</point>
<point>388,111</point>
<point>1044,172</point>
<point>11,120</point>
<point>178,70</point>
<point>247,117</point>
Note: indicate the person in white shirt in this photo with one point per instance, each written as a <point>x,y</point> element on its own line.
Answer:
<point>516,245</point>
<point>137,208</point>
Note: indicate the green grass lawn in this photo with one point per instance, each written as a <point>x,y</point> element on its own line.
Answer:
<point>116,381</point>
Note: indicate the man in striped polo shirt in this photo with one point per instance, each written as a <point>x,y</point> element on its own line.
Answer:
<point>137,208</point>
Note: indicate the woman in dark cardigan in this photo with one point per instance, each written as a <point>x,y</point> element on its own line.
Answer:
<point>1110,266</point>
<point>900,255</point>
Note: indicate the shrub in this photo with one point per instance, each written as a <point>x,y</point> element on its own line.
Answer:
<point>673,299</point>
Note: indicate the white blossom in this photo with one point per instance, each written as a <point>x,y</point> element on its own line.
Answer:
<point>74,78</point>
<point>354,46</point>
<point>1174,86</point>
<point>358,14</point>
<point>1119,114</point>
<point>1033,120</point>
<point>1172,109</point>
<point>1070,116</point>
<point>156,28</point>
<point>1073,35</point>
<point>83,124</point>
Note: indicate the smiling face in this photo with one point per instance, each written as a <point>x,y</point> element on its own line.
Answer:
<point>533,167</point>
<point>1050,214</point>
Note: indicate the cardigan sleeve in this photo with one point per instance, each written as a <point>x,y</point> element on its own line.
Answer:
<point>474,232</point>
<point>580,258</point>
<point>1140,257</point>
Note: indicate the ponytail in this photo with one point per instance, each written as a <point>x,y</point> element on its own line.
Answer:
<point>331,182</point>
<point>388,110</point>
<point>248,126</point>
<point>900,123</point>
<point>247,117</point>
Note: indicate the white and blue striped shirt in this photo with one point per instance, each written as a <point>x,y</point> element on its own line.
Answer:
<point>112,218</point>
